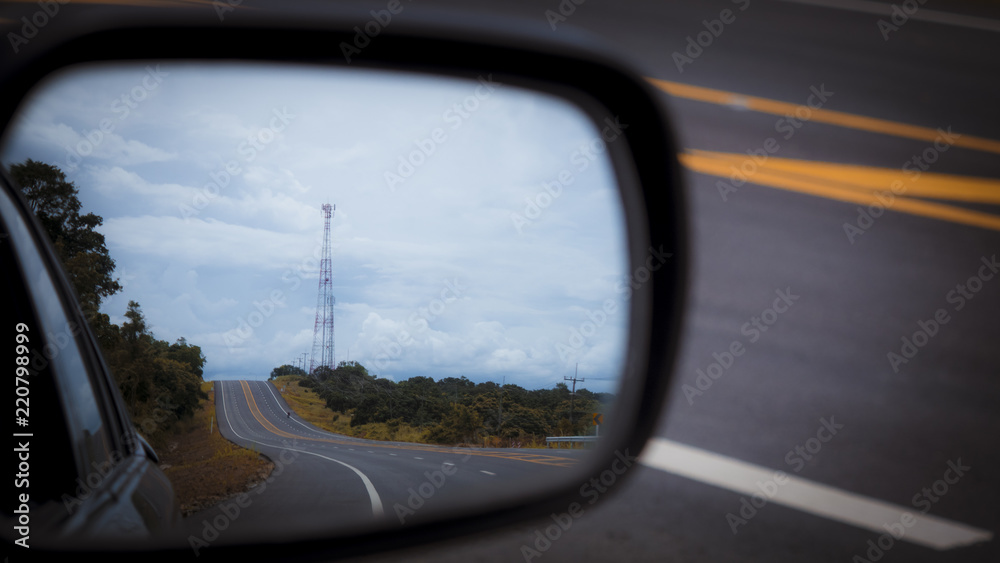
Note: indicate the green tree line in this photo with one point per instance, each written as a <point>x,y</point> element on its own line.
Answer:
<point>160,382</point>
<point>453,410</point>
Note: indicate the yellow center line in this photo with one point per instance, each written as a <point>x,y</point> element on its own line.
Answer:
<point>870,178</point>
<point>821,115</point>
<point>518,456</point>
<point>821,186</point>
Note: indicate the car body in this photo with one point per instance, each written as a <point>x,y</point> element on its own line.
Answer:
<point>83,469</point>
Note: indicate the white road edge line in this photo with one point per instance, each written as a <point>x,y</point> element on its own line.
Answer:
<point>807,496</point>
<point>377,510</point>
<point>271,389</point>
<point>923,14</point>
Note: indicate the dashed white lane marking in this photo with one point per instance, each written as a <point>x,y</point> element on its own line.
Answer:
<point>807,496</point>
<point>418,458</point>
<point>486,472</point>
<point>924,14</point>
<point>377,510</point>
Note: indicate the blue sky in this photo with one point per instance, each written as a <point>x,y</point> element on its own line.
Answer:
<point>457,250</point>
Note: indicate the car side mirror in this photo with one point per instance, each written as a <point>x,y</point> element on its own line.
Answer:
<point>613,256</point>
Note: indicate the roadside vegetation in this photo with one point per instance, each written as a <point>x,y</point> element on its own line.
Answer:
<point>161,383</point>
<point>453,411</point>
<point>204,467</point>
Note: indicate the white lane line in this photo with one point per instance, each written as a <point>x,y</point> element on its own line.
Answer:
<point>271,388</point>
<point>418,458</point>
<point>377,510</point>
<point>486,472</point>
<point>807,496</point>
<point>922,14</point>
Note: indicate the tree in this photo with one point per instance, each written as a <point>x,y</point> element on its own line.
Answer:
<point>187,354</point>
<point>322,373</point>
<point>286,370</point>
<point>78,244</point>
<point>462,424</point>
<point>160,382</point>
<point>351,371</point>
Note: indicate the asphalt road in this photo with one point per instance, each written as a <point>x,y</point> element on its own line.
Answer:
<point>346,483</point>
<point>827,357</point>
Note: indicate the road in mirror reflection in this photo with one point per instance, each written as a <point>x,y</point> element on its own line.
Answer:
<point>400,286</point>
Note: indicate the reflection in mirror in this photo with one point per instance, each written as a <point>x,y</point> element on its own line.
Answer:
<point>406,292</point>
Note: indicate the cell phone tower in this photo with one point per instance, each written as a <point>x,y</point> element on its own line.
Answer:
<point>323,351</point>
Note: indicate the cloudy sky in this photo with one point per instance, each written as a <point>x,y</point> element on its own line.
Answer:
<point>210,181</point>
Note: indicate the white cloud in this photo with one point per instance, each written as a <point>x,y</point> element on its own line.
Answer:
<point>203,275</point>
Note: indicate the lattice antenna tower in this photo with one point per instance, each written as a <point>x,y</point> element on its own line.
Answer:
<point>323,351</point>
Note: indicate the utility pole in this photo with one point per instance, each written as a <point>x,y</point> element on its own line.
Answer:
<point>572,394</point>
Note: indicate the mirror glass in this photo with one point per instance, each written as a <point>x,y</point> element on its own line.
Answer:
<point>395,286</point>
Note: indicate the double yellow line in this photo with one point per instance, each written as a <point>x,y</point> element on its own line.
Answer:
<point>820,115</point>
<point>863,185</point>
<point>526,457</point>
<point>857,184</point>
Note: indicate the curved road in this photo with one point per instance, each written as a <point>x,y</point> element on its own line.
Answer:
<point>348,482</point>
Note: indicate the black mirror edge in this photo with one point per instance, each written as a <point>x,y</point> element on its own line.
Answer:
<point>559,64</point>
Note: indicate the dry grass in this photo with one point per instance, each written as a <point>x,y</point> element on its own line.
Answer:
<point>206,468</point>
<point>308,405</point>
